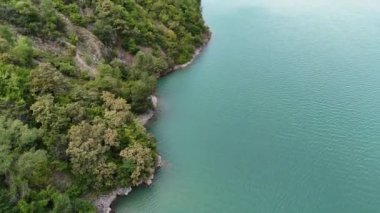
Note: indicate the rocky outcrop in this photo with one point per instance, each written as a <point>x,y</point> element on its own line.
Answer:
<point>146,117</point>
<point>103,203</point>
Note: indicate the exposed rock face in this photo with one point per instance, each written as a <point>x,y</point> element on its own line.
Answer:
<point>89,49</point>
<point>103,203</point>
<point>154,101</point>
<point>158,165</point>
<point>146,117</point>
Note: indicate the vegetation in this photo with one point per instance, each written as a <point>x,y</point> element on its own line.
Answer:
<point>73,76</point>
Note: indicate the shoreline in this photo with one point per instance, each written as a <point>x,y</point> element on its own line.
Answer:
<point>197,52</point>
<point>148,116</point>
<point>104,202</point>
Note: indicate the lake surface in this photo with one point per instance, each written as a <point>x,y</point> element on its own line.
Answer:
<point>281,113</point>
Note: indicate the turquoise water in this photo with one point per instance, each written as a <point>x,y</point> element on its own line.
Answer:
<point>281,113</point>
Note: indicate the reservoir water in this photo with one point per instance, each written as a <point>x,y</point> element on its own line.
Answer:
<point>281,113</point>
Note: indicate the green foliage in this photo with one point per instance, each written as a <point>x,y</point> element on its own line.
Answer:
<point>116,112</point>
<point>72,11</point>
<point>73,76</point>
<point>142,159</point>
<point>147,62</point>
<point>6,39</point>
<point>5,201</point>
<point>33,17</point>
<point>16,137</point>
<point>172,26</point>
<point>16,141</point>
<point>33,166</point>
<point>22,52</point>
<point>46,79</point>
<point>66,67</point>
<point>13,80</point>
<point>139,92</point>
<point>50,200</point>
<point>87,146</point>
<point>6,34</point>
<point>54,122</point>
<point>104,31</point>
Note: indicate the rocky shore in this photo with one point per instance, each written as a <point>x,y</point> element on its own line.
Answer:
<point>146,117</point>
<point>195,56</point>
<point>103,203</point>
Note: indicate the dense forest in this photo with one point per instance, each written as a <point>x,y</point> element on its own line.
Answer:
<point>74,75</point>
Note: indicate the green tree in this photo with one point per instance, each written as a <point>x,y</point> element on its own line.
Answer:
<point>55,121</point>
<point>139,94</point>
<point>5,202</point>
<point>62,204</point>
<point>33,166</point>
<point>22,52</point>
<point>13,85</point>
<point>143,161</point>
<point>46,79</point>
<point>16,137</point>
<point>116,110</point>
<point>88,145</point>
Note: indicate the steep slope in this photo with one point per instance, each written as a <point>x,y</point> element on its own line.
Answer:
<point>74,75</point>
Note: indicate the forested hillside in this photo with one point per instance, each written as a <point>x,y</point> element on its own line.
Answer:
<point>73,76</point>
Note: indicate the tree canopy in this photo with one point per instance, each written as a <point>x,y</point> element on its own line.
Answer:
<point>74,75</point>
